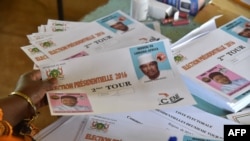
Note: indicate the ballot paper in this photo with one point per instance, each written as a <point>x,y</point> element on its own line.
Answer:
<point>89,128</point>
<point>40,58</point>
<point>97,36</point>
<point>144,125</point>
<point>114,79</point>
<point>188,120</point>
<point>205,28</point>
<point>129,132</point>
<point>200,60</point>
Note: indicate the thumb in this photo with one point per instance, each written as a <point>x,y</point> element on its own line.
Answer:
<point>50,83</point>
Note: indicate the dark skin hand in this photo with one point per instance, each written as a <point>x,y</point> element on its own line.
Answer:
<point>16,108</point>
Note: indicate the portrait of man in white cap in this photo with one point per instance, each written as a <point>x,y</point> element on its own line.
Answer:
<point>243,31</point>
<point>149,66</point>
<point>118,25</point>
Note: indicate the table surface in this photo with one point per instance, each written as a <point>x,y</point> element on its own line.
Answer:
<point>174,33</point>
<point>124,5</point>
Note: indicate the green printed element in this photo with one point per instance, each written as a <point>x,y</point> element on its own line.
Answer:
<point>59,24</point>
<point>47,44</point>
<point>100,126</point>
<point>55,73</point>
<point>35,50</point>
<point>178,58</point>
<point>58,29</point>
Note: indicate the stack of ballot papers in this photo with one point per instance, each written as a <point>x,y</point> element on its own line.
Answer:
<point>60,40</point>
<point>100,66</point>
<point>215,66</point>
<point>175,124</point>
<point>104,92</point>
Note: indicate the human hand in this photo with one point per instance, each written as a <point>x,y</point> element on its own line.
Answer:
<point>32,85</point>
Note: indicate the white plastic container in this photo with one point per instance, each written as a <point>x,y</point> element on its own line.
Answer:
<point>139,9</point>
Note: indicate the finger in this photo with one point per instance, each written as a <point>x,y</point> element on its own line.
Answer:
<point>50,83</point>
<point>32,75</point>
<point>43,102</point>
<point>36,75</point>
<point>53,81</point>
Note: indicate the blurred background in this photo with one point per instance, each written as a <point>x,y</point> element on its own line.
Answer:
<point>19,18</point>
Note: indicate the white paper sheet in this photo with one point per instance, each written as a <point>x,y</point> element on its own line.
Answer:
<point>115,81</point>
<point>228,55</point>
<point>96,37</point>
